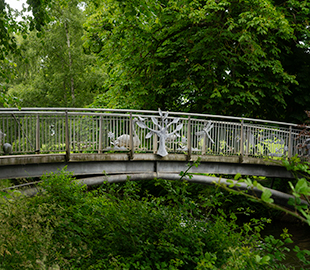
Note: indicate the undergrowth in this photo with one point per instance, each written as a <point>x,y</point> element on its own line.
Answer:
<point>128,226</point>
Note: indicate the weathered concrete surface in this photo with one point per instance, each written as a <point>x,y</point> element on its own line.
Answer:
<point>54,158</point>
<point>24,166</point>
<point>31,159</point>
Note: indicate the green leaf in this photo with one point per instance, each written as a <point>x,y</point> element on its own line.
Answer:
<point>302,187</point>
<point>266,196</point>
<point>288,240</point>
<point>237,176</point>
<point>232,183</point>
<point>265,259</point>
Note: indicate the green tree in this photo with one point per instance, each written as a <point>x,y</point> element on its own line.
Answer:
<point>223,57</point>
<point>13,23</point>
<point>57,71</point>
<point>8,46</point>
<point>297,60</point>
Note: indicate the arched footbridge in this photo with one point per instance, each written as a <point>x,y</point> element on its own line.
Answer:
<point>98,142</point>
<point>99,145</point>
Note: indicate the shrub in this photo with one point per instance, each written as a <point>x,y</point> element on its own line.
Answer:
<point>119,226</point>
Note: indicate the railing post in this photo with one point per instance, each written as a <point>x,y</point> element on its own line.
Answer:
<point>100,135</point>
<point>38,135</point>
<point>131,145</point>
<point>155,141</point>
<point>203,148</point>
<point>67,137</point>
<point>290,143</point>
<point>247,142</point>
<point>241,142</point>
<point>189,139</point>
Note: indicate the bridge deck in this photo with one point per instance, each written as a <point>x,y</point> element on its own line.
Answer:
<point>23,166</point>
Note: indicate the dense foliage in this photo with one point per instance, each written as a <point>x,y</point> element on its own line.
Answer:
<point>227,57</point>
<point>53,70</point>
<point>124,226</point>
<point>219,57</point>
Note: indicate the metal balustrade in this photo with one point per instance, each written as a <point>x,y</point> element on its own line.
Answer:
<point>72,130</point>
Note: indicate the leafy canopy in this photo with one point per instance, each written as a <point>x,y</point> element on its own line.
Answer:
<point>199,56</point>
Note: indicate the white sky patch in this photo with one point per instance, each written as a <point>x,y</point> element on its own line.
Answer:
<point>18,4</point>
<point>82,5</point>
<point>303,44</point>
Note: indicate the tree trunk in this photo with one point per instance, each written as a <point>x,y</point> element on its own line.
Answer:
<point>70,63</point>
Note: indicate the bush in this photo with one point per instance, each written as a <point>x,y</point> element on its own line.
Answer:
<point>25,232</point>
<point>120,226</point>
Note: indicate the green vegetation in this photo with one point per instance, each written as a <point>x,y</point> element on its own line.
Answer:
<point>159,225</point>
<point>299,188</point>
<point>240,58</point>
<point>226,57</point>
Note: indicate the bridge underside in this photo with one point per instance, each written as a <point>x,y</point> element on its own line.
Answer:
<point>279,197</point>
<point>25,166</point>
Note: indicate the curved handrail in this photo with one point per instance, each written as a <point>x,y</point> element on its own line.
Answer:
<point>99,110</point>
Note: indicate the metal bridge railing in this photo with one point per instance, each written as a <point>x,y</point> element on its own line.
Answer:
<point>67,130</point>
